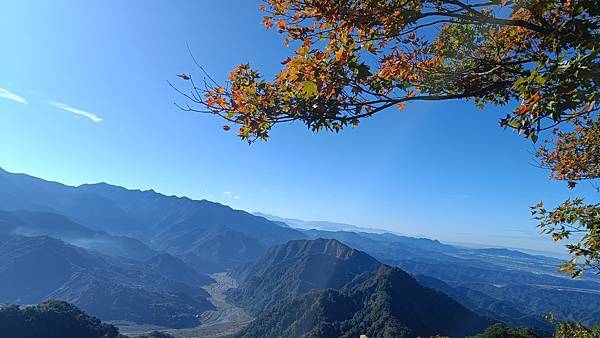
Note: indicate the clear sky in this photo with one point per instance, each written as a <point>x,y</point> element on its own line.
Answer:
<point>84,98</point>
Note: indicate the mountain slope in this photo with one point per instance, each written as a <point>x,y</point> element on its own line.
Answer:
<point>174,268</point>
<point>298,267</point>
<point>33,269</point>
<point>39,223</point>
<point>210,249</point>
<point>389,304</point>
<point>484,304</point>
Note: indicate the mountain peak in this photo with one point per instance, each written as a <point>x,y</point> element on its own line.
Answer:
<point>329,247</point>
<point>300,266</point>
<point>390,303</point>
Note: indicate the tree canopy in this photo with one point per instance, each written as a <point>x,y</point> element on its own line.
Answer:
<point>506,331</point>
<point>51,319</point>
<point>352,59</point>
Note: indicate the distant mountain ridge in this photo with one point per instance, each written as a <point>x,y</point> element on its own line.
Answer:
<point>179,224</point>
<point>40,223</point>
<point>318,225</point>
<point>485,305</point>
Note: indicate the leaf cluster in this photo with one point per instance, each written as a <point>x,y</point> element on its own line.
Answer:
<point>574,218</point>
<point>353,59</point>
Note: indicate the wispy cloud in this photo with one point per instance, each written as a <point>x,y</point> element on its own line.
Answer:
<point>5,94</point>
<point>91,116</point>
<point>230,195</point>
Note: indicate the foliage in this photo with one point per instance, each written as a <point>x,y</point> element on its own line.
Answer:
<point>563,330</point>
<point>575,156</point>
<point>574,217</point>
<point>52,319</point>
<point>571,329</point>
<point>353,59</point>
<point>506,331</point>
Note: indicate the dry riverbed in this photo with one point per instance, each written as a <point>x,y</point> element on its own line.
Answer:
<point>225,320</point>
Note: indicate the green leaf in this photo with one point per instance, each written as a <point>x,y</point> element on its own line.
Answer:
<point>514,124</point>
<point>309,89</point>
<point>534,138</point>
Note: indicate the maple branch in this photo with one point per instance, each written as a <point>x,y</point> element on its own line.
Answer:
<point>493,20</point>
<point>392,102</point>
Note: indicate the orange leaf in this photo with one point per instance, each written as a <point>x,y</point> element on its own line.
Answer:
<point>339,54</point>
<point>281,23</point>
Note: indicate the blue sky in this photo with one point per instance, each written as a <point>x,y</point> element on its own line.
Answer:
<point>84,98</point>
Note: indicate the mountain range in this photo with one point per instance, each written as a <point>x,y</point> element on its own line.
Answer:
<point>211,236</point>
<point>144,257</point>
<point>319,225</point>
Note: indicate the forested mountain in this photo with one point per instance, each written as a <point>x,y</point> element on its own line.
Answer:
<point>33,269</point>
<point>389,304</point>
<point>52,319</point>
<point>505,331</point>
<point>518,283</point>
<point>298,267</point>
<point>178,225</point>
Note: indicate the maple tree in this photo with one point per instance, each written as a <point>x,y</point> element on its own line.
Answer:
<point>354,58</point>
<point>573,157</point>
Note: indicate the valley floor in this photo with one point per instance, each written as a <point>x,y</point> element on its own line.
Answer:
<point>225,320</point>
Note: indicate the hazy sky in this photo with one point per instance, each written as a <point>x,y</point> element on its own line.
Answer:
<point>84,98</point>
